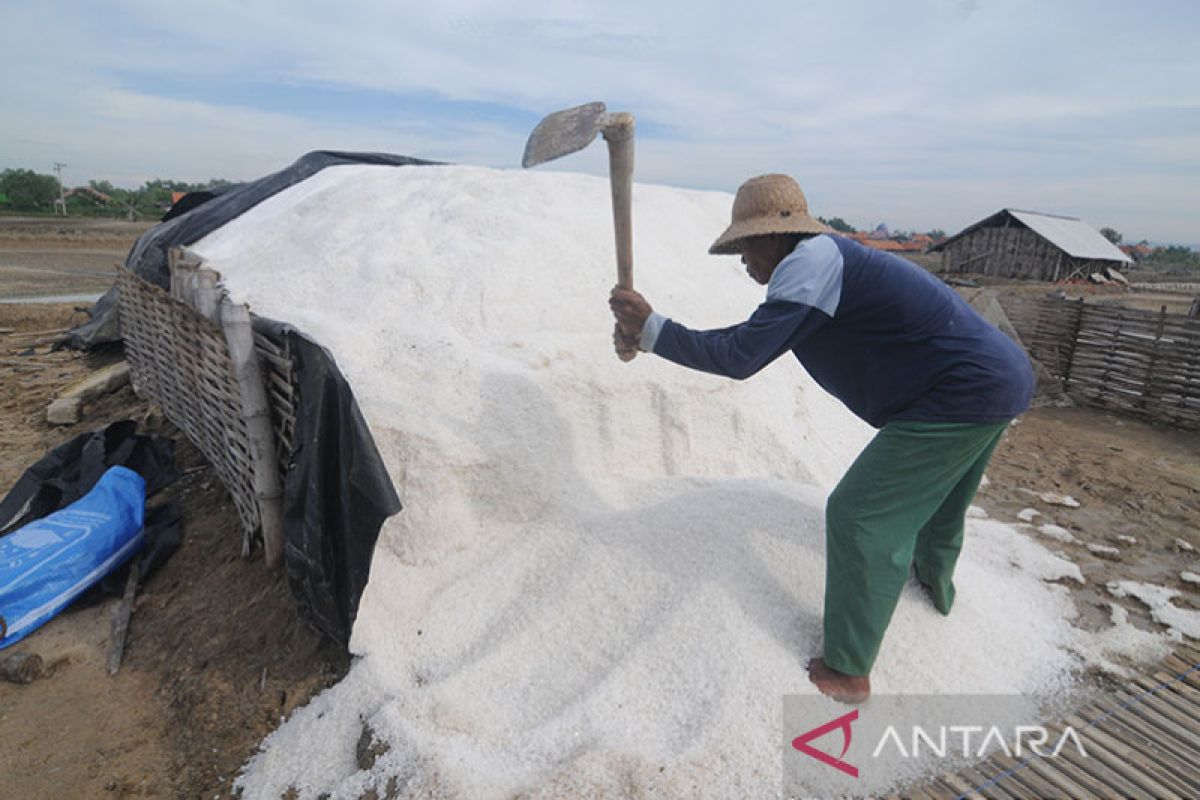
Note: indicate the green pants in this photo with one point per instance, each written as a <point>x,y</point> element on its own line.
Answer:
<point>901,505</point>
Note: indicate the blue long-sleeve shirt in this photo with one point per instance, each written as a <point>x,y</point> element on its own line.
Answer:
<point>874,330</point>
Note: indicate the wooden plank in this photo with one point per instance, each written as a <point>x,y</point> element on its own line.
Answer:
<point>1092,787</point>
<point>1126,763</point>
<point>1165,741</point>
<point>1189,672</point>
<point>1188,710</point>
<point>120,621</point>
<point>1165,768</point>
<point>1167,716</point>
<point>982,781</point>
<point>961,786</point>
<point>1147,710</point>
<point>1052,771</point>
<point>1023,775</point>
<point>1005,779</point>
<point>1106,783</point>
<point>935,791</point>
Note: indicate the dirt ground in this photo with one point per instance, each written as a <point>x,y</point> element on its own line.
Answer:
<point>1130,478</point>
<point>216,657</point>
<point>53,255</point>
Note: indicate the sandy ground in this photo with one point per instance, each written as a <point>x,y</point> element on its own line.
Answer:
<point>50,255</point>
<point>216,657</point>
<point>1131,478</point>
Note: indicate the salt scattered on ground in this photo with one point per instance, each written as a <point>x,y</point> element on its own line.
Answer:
<point>1162,610</point>
<point>1056,532</point>
<point>1056,499</point>
<point>1103,550</point>
<point>1122,638</point>
<point>1127,539</point>
<point>1028,514</point>
<point>1190,577</point>
<point>605,576</point>
<point>1184,545</point>
<point>975,512</point>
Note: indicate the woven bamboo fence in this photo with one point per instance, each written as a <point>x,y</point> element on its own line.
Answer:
<point>1168,287</point>
<point>1143,363</point>
<point>228,388</point>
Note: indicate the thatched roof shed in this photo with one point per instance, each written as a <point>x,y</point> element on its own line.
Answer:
<point>1028,244</point>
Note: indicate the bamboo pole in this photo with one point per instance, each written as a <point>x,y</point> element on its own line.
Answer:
<point>235,321</point>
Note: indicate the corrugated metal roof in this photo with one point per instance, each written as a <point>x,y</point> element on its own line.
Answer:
<point>1073,236</point>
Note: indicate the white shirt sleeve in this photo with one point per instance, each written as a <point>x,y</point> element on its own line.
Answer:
<point>810,275</point>
<point>651,330</point>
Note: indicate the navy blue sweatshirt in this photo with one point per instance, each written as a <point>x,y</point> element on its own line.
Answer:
<point>877,332</point>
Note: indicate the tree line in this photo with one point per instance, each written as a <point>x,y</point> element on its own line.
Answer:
<point>26,191</point>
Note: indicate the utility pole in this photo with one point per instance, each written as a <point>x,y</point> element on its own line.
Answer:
<point>62,197</point>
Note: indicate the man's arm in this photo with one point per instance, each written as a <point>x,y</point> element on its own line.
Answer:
<point>741,350</point>
<point>737,352</point>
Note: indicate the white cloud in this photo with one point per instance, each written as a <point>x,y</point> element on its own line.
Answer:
<point>885,112</point>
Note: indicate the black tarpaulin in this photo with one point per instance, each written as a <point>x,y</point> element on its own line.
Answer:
<point>69,471</point>
<point>337,493</point>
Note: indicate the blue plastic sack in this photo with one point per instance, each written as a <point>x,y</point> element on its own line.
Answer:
<point>48,563</point>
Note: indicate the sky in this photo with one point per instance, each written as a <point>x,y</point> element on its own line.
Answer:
<point>922,114</point>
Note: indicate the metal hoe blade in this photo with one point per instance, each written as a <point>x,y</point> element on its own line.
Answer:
<point>564,132</point>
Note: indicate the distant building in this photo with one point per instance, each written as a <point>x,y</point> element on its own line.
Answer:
<point>1138,252</point>
<point>889,245</point>
<point>1029,244</point>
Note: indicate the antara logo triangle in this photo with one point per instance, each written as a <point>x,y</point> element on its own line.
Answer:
<point>801,743</point>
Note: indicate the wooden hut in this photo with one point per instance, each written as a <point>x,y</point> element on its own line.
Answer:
<point>1028,244</point>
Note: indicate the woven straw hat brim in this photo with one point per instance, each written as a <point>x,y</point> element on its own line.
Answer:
<point>730,242</point>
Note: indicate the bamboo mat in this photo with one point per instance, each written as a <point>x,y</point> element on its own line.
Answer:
<point>1142,741</point>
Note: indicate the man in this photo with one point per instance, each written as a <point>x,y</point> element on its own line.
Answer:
<point>903,352</point>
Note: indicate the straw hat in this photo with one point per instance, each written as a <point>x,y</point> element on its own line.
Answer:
<point>766,204</point>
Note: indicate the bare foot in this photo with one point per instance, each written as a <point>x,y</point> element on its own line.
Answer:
<point>851,689</point>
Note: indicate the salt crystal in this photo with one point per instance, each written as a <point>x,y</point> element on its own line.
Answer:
<point>1056,532</point>
<point>1162,610</point>
<point>1027,514</point>
<point>1055,499</point>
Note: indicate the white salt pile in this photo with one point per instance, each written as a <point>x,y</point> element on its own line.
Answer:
<point>1162,610</point>
<point>606,575</point>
